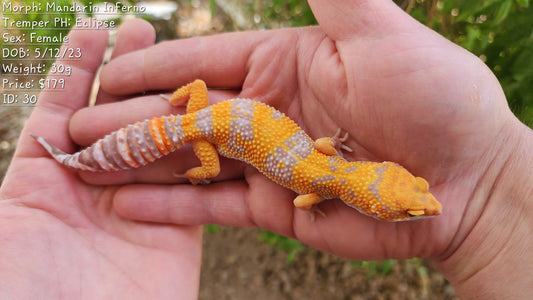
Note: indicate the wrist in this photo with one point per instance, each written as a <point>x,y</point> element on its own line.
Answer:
<point>493,259</point>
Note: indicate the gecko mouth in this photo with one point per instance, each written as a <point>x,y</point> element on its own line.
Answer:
<point>415,213</point>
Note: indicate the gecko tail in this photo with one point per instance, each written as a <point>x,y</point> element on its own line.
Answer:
<point>53,150</point>
<point>130,147</point>
<point>70,160</point>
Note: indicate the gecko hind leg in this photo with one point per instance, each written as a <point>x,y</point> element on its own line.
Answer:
<point>208,156</point>
<point>206,152</point>
<point>309,202</point>
<point>329,145</point>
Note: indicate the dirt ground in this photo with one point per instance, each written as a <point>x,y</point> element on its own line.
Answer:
<point>237,265</point>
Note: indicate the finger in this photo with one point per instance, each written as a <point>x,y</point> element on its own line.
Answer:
<point>92,123</point>
<point>220,60</point>
<point>229,203</point>
<point>134,34</point>
<point>55,106</point>
<point>106,118</point>
<point>216,203</point>
<point>165,170</point>
<point>346,19</point>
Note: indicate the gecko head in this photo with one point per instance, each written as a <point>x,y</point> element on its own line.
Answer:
<point>397,195</point>
<point>408,196</point>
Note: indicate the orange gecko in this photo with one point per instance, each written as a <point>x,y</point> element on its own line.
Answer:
<point>267,139</point>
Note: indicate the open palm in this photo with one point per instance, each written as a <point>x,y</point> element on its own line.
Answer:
<point>60,236</point>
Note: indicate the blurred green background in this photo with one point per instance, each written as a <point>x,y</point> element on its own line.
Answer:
<point>500,32</point>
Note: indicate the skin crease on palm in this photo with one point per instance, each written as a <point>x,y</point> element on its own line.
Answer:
<point>401,91</point>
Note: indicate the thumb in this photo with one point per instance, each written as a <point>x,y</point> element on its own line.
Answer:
<point>345,19</point>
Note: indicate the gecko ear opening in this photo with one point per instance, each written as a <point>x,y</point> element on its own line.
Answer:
<point>422,184</point>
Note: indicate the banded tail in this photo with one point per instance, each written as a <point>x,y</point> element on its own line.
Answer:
<point>130,147</point>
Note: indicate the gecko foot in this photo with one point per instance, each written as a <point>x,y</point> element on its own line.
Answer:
<point>309,203</point>
<point>193,181</point>
<point>339,141</point>
<point>333,145</point>
<point>314,209</point>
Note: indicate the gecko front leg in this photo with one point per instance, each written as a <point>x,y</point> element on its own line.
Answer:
<point>329,145</point>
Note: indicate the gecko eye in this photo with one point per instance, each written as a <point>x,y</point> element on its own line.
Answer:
<point>415,213</point>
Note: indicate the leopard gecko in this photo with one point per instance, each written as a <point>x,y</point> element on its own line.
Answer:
<point>264,137</point>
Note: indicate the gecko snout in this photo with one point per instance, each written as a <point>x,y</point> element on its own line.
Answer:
<point>430,207</point>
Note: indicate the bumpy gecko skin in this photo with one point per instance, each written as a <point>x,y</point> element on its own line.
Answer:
<point>265,138</point>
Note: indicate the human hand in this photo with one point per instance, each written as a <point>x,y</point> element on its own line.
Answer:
<point>60,236</point>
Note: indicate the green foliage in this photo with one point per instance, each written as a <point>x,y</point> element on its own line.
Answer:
<point>422,272</point>
<point>500,32</point>
<point>288,245</point>
<point>212,6</point>
<point>372,268</point>
<point>292,12</point>
<point>384,268</point>
<point>298,12</point>
<point>211,228</point>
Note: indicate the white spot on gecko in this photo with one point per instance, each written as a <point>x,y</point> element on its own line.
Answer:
<point>300,144</point>
<point>280,164</point>
<point>242,114</point>
<point>373,188</point>
<point>204,122</point>
<point>173,130</point>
